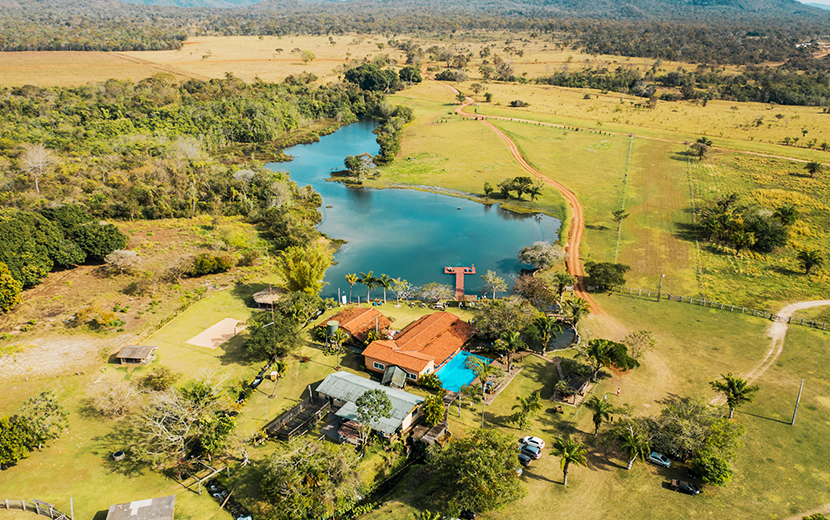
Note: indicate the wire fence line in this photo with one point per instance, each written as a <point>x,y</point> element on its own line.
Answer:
<point>703,302</point>
<point>37,507</point>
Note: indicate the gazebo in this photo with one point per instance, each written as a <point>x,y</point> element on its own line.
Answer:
<point>269,297</point>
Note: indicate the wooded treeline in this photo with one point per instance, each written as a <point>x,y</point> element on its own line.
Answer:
<point>722,33</point>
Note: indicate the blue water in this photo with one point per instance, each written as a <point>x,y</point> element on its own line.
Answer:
<point>455,373</point>
<point>407,233</point>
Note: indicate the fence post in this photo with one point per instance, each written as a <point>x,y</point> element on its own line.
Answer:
<point>721,306</point>
<point>7,503</point>
<point>742,310</point>
<point>802,321</point>
<point>649,294</point>
<point>639,292</point>
<point>23,502</point>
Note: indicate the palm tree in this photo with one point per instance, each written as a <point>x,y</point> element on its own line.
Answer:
<point>370,281</point>
<point>512,342</point>
<point>814,168</point>
<point>597,352</point>
<point>279,367</point>
<point>339,338</point>
<point>559,281</point>
<point>483,371</point>
<point>787,214</point>
<point>562,388</point>
<point>527,408</point>
<point>386,282</point>
<point>736,390</point>
<point>534,191</point>
<point>601,409</point>
<point>576,309</point>
<point>704,140</point>
<point>352,279</point>
<point>548,329</point>
<point>572,452</point>
<point>634,445</point>
<point>742,240</point>
<point>809,258</point>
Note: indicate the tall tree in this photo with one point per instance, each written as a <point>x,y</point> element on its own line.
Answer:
<point>571,452</point>
<point>483,372</point>
<point>402,289</point>
<point>814,168</point>
<point>44,417</point>
<point>386,282</point>
<point>787,214</point>
<point>433,410</point>
<point>576,309</point>
<point>542,255</point>
<point>303,268</point>
<point>548,329</point>
<point>36,160</point>
<point>534,192</point>
<point>601,410</point>
<point>493,284</point>
<point>351,279</point>
<point>371,406</point>
<point>606,353</point>
<point>620,215</point>
<point>810,258</point>
<point>370,281</point>
<point>526,408</point>
<point>513,342</point>
<point>13,441</point>
<point>736,390</point>
<point>9,289</point>
<point>634,445</point>
<point>271,337</point>
<point>559,281</point>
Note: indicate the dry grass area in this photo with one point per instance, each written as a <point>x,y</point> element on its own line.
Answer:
<point>72,68</point>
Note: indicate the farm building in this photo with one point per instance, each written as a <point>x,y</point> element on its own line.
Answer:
<point>357,322</point>
<point>344,389</point>
<point>422,347</point>
<point>148,509</point>
<point>138,355</point>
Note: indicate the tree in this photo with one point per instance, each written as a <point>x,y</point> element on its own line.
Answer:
<point>9,289</point>
<point>620,215</point>
<point>36,160</point>
<point>115,400</point>
<point>606,274</point>
<point>526,408</point>
<point>634,445</point>
<point>301,307</point>
<point>742,240</point>
<point>307,56</point>
<point>303,268</point>
<point>351,279</point>
<point>402,289</point>
<point>493,284</point>
<point>542,255</point>
<point>712,469</point>
<point>13,441</point>
<point>370,281</point>
<point>271,339</point>
<point>559,281</point>
<point>435,292</point>
<point>159,378</point>
<point>606,353</point>
<point>814,168</point>
<point>736,390</point>
<point>44,417</point>
<point>433,410</point>
<point>601,410</point>
<point>479,471</point>
<point>483,372</point>
<point>123,260</point>
<point>571,452</point>
<point>522,185</point>
<point>488,97</point>
<point>639,342</point>
<point>535,290</point>
<point>548,328</point>
<point>505,187</point>
<point>371,406</point>
<point>359,165</point>
<point>410,74</point>
<point>371,76</point>
<point>99,240</point>
<point>700,150</point>
<point>810,258</point>
<point>534,192</point>
<point>477,88</point>
<point>576,309</point>
<point>461,98</point>
<point>307,478</point>
<point>386,282</point>
<point>704,140</point>
<point>493,317</point>
<point>488,189</point>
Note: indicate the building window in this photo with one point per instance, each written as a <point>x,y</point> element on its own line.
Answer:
<point>379,366</point>
<point>411,376</point>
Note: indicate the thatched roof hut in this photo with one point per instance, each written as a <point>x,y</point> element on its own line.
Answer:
<point>269,296</point>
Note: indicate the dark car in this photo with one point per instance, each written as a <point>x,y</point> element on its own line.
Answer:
<point>685,487</point>
<point>466,514</point>
<point>525,459</point>
<point>531,450</point>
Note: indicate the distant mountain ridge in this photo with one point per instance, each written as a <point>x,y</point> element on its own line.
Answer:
<point>820,6</point>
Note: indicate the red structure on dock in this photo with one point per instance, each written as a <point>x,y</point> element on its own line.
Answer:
<point>459,273</point>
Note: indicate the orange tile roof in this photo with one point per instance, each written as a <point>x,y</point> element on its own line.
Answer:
<point>359,321</point>
<point>433,337</point>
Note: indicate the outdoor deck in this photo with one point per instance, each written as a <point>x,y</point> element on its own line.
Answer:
<point>459,273</point>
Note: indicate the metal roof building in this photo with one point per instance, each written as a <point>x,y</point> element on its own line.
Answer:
<point>149,509</point>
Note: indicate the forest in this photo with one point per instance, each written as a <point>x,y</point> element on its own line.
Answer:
<point>717,34</point>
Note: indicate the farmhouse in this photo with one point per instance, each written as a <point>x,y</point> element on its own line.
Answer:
<point>139,355</point>
<point>344,388</point>
<point>148,509</point>
<point>357,322</point>
<point>422,347</point>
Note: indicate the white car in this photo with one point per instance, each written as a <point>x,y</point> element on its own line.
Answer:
<point>533,441</point>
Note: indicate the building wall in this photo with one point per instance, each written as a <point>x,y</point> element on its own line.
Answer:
<point>369,364</point>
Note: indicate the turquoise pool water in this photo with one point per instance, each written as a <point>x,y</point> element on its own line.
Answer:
<point>455,373</point>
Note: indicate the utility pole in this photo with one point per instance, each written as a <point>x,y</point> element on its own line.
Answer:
<point>797,401</point>
<point>660,287</point>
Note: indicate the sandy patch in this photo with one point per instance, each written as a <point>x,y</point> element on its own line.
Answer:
<point>217,334</point>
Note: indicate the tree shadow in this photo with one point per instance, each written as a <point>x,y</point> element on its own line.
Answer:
<point>235,353</point>
<point>118,439</point>
<point>801,175</point>
<point>786,271</point>
<point>762,417</point>
<point>597,227</point>
<point>534,476</point>
<point>685,156</point>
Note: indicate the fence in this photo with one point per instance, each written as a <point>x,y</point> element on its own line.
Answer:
<point>36,506</point>
<point>703,302</point>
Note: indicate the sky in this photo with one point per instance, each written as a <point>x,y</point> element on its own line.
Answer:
<point>822,2</point>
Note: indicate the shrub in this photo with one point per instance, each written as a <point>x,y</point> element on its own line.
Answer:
<point>518,103</point>
<point>430,381</point>
<point>159,379</point>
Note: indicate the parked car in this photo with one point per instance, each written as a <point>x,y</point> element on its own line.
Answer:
<point>685,487</point>
<point>525,459</point>
<point>692,474</point>
<point>466,514</point>
<point>531,450</point>
<point>533,441</point>
<point>659,459</point>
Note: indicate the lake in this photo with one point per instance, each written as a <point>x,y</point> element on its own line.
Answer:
<point>407,233</point>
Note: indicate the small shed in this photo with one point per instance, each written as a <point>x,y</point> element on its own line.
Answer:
<point>394,376</point>
<point>148,509</point>
<point>136,355</point>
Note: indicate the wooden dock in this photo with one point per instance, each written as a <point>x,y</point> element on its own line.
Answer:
<point>459,273</point>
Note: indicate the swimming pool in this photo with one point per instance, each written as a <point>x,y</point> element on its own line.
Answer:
<point>455,373</point>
